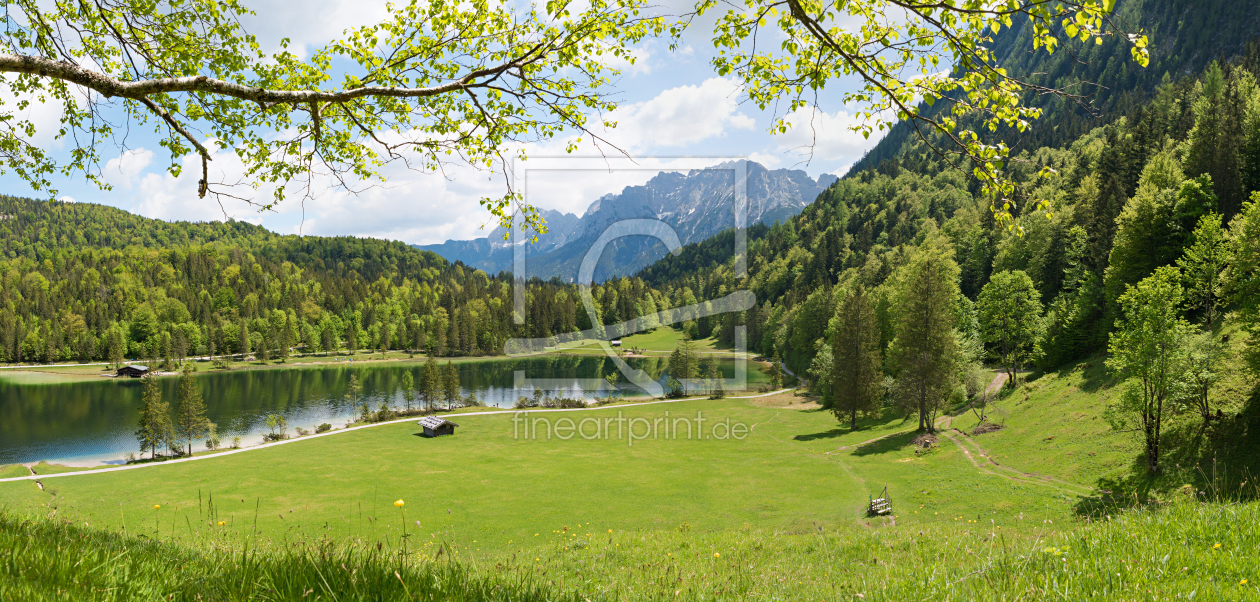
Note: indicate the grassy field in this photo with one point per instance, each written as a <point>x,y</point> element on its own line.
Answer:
<point>777,514</point>
<point>1189,550</point>
<point>795,471</point>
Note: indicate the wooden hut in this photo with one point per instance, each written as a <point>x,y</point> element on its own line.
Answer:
<point>133,371</point>
<point>436,427</point>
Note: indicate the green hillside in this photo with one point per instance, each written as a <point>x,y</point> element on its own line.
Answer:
<point>1186,36</point>
<point>779,513</point>
<point>82,282</point>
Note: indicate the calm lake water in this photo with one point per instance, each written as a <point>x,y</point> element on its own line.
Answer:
<point>89,422</point>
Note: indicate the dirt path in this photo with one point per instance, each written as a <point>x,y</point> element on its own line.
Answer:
<point>995,385</point>
<point>985,463</point>
<point>869,441</point>
<point>804,381</point>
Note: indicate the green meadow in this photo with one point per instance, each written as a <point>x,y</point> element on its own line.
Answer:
<point>771,507</point>
<point>490,488</point>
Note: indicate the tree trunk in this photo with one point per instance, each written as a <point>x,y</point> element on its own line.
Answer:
<point>853,420</point>
<point>922,408</point>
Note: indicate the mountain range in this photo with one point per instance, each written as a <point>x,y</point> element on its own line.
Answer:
<point>697,205</point>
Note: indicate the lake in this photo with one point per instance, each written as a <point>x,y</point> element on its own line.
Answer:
<point>90,422</point>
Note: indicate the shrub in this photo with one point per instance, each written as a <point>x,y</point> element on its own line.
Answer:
<point>323,428</point>
<point>302,432</point>
<point>564,402</point>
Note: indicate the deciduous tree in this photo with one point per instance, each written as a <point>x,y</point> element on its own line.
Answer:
<point>1203,265</point>
<point>1010,318</point>
<point>1149,350</point>
<point>878,42</point>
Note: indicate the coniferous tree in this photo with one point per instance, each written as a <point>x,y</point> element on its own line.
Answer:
<point>924,352</point>
<point>450,385</point>
<point>419,341</point>
<point>242,342</point>
<point>353,392</point>
<point>352,336</point>
<point>717,384</point>
<point>709,371</point>
<point>1244,276</point>
<point>857,384</point>
<point>155,428</point>
<point>115,347</point>
<point>430,384</point>
<point>190,412</point>
<point>408,385</point>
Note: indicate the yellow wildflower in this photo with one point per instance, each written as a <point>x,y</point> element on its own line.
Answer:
<point>399,503</point>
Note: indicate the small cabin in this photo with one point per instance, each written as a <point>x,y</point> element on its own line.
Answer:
<point>436,427</point>
<point>615,342</point>
<point>133,371</point>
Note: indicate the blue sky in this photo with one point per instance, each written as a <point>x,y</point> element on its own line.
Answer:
<point>672,105</point>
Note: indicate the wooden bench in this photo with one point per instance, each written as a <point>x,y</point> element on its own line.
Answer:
<point>880,506</point>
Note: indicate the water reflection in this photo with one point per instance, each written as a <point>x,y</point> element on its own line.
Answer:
<point>88,422</point>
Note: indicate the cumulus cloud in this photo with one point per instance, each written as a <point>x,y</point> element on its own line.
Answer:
<point>122,170</point>
<point>308,25</point>
<point>679,117</point>
<point>825,139</point>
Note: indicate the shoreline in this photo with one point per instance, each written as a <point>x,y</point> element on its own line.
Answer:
<point>64,373</point>
<point>229,452</point>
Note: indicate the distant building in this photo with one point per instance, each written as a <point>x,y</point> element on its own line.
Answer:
<point>133,371</point>
<point>436,427</point>
<point>615,342</point>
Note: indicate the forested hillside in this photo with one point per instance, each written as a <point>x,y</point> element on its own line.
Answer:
<point>1186,35</point>
<point>88,282</point>
<point>1155,202</point>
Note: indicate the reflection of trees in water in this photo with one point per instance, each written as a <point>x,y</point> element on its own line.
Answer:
<point>95,417</point>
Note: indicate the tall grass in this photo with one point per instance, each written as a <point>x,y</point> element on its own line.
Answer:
<point>1186,550</point>
<point>48,559</point>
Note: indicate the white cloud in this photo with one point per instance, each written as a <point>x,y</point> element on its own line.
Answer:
<point>771,161</point>
<point>309,25</point>
<point>679,117</point>
<point>826,140</point>
<point>45,115</point>
<point>123,169</point>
